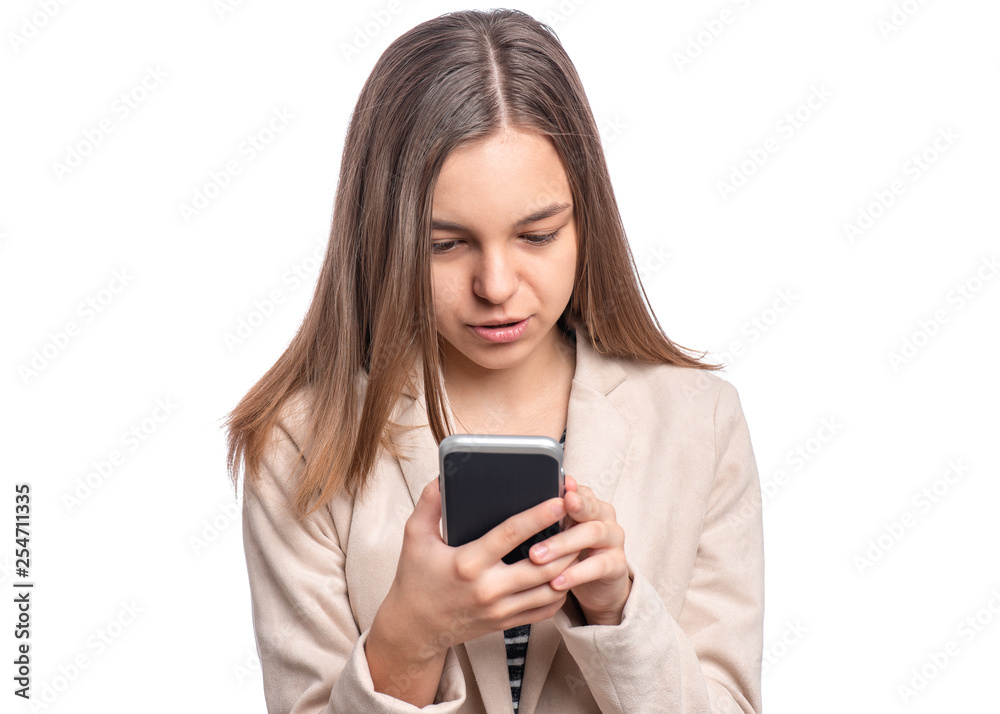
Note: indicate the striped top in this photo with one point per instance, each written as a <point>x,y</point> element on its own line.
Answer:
<point>516,641</point>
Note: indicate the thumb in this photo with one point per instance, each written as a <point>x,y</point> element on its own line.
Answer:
<point>427,512</point>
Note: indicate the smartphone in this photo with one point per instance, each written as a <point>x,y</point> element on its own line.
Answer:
<point>487,478</point>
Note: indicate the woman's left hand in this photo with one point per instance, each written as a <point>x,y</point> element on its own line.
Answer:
<point>599,577</point>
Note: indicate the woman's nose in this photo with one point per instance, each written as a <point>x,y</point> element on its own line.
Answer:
<point>496,275</point>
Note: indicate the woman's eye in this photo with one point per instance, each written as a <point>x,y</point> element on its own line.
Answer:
<point>441,247</point>
<point>445,246</point>
<point>542,239</point>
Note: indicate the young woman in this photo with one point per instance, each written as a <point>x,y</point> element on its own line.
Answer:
<point>473,192</point>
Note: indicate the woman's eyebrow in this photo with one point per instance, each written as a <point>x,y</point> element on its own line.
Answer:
<point>539,215</point>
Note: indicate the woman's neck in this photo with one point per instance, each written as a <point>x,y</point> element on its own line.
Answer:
<point>529,399</point>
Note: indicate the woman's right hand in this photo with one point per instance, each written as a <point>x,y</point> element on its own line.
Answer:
<point>442,596</point>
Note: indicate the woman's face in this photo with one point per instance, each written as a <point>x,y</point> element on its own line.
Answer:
<point>491,259</point>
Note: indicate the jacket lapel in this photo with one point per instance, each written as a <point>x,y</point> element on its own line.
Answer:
<point>597,443</point>
<point>598,439</point>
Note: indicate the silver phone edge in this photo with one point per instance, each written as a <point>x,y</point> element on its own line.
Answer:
<point>495,443</point>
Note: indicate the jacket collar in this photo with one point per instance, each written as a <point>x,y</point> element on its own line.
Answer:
<point>594,462</point>
<point>598,439</point>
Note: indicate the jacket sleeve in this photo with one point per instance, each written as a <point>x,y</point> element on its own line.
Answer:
<point>709,658</point>
<point>311,651</point>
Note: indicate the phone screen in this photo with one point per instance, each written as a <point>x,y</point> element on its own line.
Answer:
<point>485,488</point>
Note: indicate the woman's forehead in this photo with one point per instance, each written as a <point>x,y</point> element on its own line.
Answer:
<point>505,177</point>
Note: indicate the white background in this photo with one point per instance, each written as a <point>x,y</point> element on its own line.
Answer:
<point>149,556</point>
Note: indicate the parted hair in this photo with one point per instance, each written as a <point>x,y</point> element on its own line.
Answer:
<point>452,80</point>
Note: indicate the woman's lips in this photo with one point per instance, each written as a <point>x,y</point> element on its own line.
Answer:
<point>502,334</point>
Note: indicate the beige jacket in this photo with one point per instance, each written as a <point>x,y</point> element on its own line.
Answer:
<point>667,446</point>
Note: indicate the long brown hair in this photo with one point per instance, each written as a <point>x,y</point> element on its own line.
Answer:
<point>447,82</point>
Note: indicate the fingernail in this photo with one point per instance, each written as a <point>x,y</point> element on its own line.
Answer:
<point>557,509</point>
<point>559,582</point>
<point>540,550</point>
